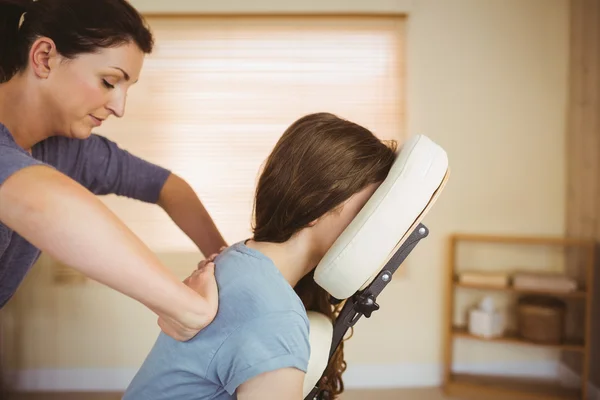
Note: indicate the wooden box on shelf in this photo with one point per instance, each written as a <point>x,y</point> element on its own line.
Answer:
<point>532,318</point>
<point>541,319</point>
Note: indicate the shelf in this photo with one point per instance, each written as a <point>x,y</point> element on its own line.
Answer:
<point>580,294</point>
<point>487,387</point>
<point>568,345</point>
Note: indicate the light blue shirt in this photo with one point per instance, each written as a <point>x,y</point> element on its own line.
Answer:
<point>261,326</point>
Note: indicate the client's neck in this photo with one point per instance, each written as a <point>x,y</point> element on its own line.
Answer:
<point>294,258</point>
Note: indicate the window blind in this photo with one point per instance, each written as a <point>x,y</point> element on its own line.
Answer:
<point>217,93</point>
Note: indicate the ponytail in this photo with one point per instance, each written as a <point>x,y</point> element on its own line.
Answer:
<point>11,12</point>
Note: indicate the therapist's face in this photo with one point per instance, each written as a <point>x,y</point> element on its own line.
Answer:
<point>329,227</point>
<point>84,91</point>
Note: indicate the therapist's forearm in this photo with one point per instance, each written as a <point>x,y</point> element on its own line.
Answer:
<point>65,220</point>
<point>184,207</point>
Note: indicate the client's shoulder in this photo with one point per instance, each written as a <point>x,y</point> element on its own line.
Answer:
<point>250,285</point>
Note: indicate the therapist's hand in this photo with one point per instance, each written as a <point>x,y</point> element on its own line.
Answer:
<point>210,259</point>
<point>203,282</point>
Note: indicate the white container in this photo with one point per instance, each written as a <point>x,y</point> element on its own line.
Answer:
<point>485,321</point>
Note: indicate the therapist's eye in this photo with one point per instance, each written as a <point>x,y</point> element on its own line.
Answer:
<point>107,84</point>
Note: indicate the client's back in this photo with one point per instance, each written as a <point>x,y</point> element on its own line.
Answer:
<point>261,326</point>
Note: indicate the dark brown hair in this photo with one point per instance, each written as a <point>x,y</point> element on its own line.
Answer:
<point>75,26</point>
<point>319,162</point>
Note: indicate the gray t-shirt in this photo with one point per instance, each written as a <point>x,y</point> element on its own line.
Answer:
<point>261,326</point>
<point>97,163</point>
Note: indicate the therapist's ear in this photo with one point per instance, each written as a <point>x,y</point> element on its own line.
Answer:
<point>43,57</point>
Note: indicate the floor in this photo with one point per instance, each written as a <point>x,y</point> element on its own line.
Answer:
<point>404,394</point>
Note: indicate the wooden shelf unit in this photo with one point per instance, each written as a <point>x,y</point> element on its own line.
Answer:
<point>487,387</point>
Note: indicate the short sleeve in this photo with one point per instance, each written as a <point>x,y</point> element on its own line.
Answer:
<point>100,165</point>
<point>12,160</point>
<point>267,343</point>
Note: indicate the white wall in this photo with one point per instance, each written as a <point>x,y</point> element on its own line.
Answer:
<point>487,80</point>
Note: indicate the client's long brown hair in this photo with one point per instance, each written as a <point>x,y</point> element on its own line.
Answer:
<point>319,162</point>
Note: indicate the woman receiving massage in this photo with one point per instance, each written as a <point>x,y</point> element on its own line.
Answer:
<point>317,178</point>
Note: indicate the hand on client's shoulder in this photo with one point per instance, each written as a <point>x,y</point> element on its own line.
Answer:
<point>210,259</point>
<point>202,281</point>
